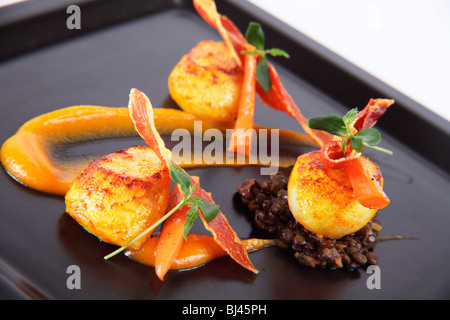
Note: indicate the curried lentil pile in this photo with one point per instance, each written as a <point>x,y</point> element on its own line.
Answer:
<point>268,202</point>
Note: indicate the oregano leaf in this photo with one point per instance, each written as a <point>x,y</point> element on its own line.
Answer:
<point>251,53</point>
<point>344,146</point>
<point>262,75</point>
<point>192,215</point>
<point>209,210</point>
<point>276,52</point>
<point>331,123</point>
<point>370,136</point>
<point>180,177</point>
<point>338,126</point>
<point>356,143</point>
<point>350,116</point>
<point>255,35</point>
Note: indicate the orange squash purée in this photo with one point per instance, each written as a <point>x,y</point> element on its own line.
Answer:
<point>27,156</point>
<point>195,252</point>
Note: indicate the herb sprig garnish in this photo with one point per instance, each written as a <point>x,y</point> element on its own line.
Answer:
<point>181,178</point>
<point>209,210</point>
<point>255,36</point>
<point>340,126</point>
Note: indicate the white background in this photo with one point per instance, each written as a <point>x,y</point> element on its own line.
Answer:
<point>404,43</point>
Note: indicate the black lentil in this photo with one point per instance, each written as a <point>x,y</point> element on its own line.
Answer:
<point>268,204</point>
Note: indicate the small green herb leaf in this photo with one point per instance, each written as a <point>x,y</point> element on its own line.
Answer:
<point>344,145</point>
<point>370,136</point>
<point>356,143</point>
<point>180,177</point>
<point>192,215</point>
<point>251,53</point>
<point>275,52</point>
<point>262,75</point>
<point>350,116</point>
<point>331,123</point>
<point>209,210</point>
<point>255,35</point>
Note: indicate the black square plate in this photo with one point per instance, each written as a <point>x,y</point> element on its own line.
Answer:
<point>126,44</point>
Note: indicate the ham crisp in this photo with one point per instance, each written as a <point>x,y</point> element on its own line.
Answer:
<point>228,31</point>
<point>141,112</point>
<point>332,155</point>
<point>367,117</point>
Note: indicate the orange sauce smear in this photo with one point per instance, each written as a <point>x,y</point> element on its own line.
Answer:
<point>27,157</point>
<point>196,251</point>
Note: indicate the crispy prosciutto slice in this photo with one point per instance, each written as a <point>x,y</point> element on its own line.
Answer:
<point>367,117</point>
<point>141,112</point>
<point>228,31</point>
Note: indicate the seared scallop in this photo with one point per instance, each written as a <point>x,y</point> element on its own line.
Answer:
<point>206,82</point>
<point>120,195</point>
<point>321,199</point>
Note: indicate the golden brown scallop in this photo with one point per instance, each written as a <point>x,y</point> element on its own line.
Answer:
<point>321,199</point>
<point>207,81</point>
<point>120,195</point>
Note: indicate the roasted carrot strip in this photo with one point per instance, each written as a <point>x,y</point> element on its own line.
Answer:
<point>171,238</point>
<point>241,140</point>
<point>366,188</point>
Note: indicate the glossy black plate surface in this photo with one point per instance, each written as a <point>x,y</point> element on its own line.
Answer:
<point>136,44</point>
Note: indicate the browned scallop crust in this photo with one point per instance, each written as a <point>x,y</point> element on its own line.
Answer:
<point>206,82</point>
<point>120,195</point>
<point>322,199</point>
